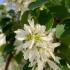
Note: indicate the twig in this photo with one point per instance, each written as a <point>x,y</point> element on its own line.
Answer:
<point>8,61</point>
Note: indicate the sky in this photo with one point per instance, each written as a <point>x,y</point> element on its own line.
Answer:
<point>1,1</point>
<point>11,6</point>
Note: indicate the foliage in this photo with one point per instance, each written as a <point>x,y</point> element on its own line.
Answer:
<point>51,13</point>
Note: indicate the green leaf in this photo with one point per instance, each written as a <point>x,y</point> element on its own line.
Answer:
<point>45,19</point>
<point>37,4</point>
<point>26,66</point>
<point>65,38</point>
<point>11,12</point>
<point>63,65</point>
<point>65,68</point>
<point>63,32</point>
<point>2,48</point>
<point>59,11</point>
<point>5,22</point>
<point>59,30</point>
<point>49,23</point>
<point>64,52</point>
<point>67,5</point>
<point>55,2</point>
<point>16,68</point>
<point>19,57</point>
<point>35,13</point>
<point>2,7</point>
<point>8,48</point>
<point>24,17</point>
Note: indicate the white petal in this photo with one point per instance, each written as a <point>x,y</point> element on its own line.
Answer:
<point>47,38</point>
<point>28,44</point>
<point>19,46</point>
<point>26,54</point>
<point>32,55</point>
<point>40,65</point>
<point>53,65</point>
<point>26,3</point>
<point>31,23</point>
<point>32,43</point>
<point>68,65</point>
<point>37,27</point>
<point>41,44</point>
<point>55,45</point>
<point>43,28</point>
<point>57,60</point>
<point>40,28</point>
<point>32,64</point>
<point>51,33</point>
<point>0,30</point>
<point>51,53</point>
<point>20,34</point>
<point>27,28</point>
<point>43,54</point>
<point>20,37</point>
<point>2,39</point>
<point>19,31</point>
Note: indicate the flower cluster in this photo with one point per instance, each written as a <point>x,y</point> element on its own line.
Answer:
<point>37,45</point>
<point>18,5</point>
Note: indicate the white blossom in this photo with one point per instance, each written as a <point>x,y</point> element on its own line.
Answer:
<point>18,5</point>
<point>2,38</point>
<point>37,45</point>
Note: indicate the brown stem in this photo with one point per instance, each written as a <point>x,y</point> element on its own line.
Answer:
<point>8,61</point>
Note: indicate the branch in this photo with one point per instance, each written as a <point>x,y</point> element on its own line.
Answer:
<point>8,61</point>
